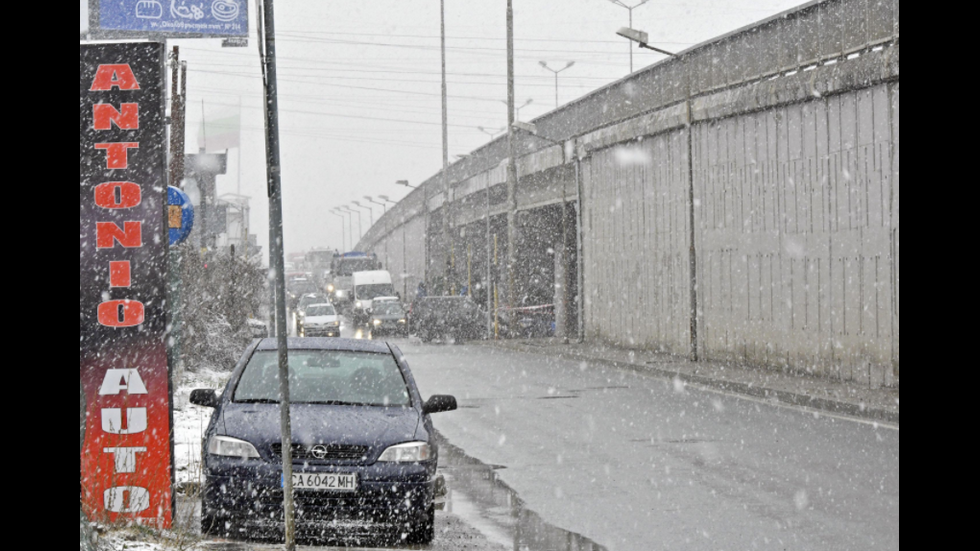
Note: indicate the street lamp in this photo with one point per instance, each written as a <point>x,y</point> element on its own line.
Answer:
<point>360,221</point>
<point>622,4</point>
<point>557,72</point>
<point>517,110</point>
<point>350,224</point>
<point>384,215</point>
<point>642,39</point>
<point>369,209</point>
<point>490,132</point>
<point>404,272</point>
<point>425,209</point>
<point>343,229</point>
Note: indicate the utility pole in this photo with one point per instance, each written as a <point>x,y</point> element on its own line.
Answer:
<point>177,108</point>
<point>448,206</point>
<point>277,263</point>
<point>512,174</point>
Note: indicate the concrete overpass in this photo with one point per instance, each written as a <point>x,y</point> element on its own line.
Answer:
<point>739,202</point>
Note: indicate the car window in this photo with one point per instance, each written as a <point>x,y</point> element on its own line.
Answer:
<point>389,309</point>
<point>325,377</point>
<point>321,310</point>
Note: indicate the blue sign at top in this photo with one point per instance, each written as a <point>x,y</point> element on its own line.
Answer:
<point>176,17</point>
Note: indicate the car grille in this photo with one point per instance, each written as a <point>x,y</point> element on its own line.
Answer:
<point>333,452</point>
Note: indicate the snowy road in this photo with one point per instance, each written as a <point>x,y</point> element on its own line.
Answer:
<point>639,463</point>
<point>549,455</point>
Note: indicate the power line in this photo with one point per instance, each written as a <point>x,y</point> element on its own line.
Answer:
<point>251,76</point>
<point>344,116</point>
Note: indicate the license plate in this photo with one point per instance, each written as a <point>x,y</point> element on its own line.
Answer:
<point>324,482</point>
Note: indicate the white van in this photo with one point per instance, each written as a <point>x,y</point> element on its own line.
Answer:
<point>369,286</point>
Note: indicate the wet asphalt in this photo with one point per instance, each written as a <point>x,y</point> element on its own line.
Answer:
<point>628,462</point>
<point>552,455</point>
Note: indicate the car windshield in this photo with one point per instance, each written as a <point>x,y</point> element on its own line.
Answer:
<point>311,300</point>
<point>349,267</point>
<point>325,377</point>
<point>302,286</point>
<point>389,309</point>
<point>371,292</point>
<point>319,310</point>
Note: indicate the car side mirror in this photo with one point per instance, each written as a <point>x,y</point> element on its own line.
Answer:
<point>205,398</point>
<point>439,404</point>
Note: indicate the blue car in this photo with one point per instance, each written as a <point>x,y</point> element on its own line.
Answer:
<point>364,454</point>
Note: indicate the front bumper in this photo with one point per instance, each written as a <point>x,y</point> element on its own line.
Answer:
<point>321,331</point>
<point>389,497</point>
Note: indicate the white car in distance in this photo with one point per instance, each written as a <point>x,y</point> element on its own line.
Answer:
<point>321,320</point>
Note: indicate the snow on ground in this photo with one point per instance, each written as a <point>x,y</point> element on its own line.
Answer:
<point>191,421</point>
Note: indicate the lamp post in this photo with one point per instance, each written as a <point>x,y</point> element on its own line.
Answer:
<point>517,109</point>
<point>404,271</point>
<point>343,230</point>
<point>369,209</point>
<point>384,208</point>
<point>642,39</point>
<point>491,132</point>
<point>360,223</point>
<point>350,226</point>
<point>557,72</point>
<point>425,233</point>
<point>622,4</point>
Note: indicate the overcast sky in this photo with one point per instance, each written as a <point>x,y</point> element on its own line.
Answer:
<point>360,87</point>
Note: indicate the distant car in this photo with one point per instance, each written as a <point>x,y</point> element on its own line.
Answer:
<point>310,299</point>
<point>321,320</point>
<point>368,286</point>
<point>298,287</point>
<point>456,318</point>
<point>388,318</point>
<point>364,452</point>
<point>258,329</point>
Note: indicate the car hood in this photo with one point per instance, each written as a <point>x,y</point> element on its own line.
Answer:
<point>377,428</point>
<point>388,318</point>
<point>319,320</point>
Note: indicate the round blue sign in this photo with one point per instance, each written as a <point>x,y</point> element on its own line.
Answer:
<point>180,216</point>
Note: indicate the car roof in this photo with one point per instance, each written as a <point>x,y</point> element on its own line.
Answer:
<point>337,345</point>
<point>312,306</point>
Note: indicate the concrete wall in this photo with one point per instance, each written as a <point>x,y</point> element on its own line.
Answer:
<point>779,143</point>
<point>794,236</point>
<point>636,228</point>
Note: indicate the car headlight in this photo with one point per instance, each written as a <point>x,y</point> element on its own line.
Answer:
<point>402,321</point>
<point>360,304</point>
<point>415,452</point>
<point>331,288</point>
<point>377,323</point>
<point>224,446</point>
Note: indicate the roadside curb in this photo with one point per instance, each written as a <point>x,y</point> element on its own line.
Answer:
<point>751,390</point>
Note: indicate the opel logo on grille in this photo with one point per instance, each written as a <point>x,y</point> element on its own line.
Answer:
<point>319,452</point>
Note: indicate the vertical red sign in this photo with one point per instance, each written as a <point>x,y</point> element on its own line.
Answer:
<point>126,462</point>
